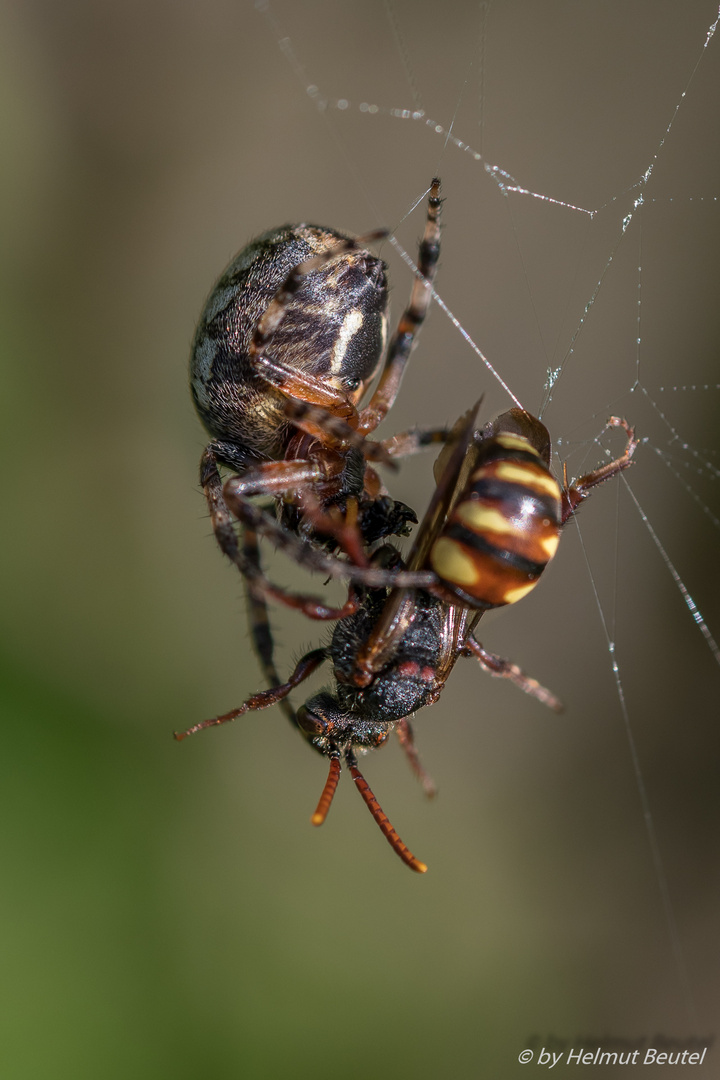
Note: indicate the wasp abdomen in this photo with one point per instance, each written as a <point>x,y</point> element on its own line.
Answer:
<point>504,528</point>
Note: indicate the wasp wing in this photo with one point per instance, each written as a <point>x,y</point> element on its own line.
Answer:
<point>455,463</point>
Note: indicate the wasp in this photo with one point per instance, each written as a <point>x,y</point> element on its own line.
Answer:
<point>492,526</point>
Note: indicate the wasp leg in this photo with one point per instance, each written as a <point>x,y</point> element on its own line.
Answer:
<point>410,321</point>
<point>405,738</point>
<point>305,666</point>
<point>573,495</point>
<point>505,669</point>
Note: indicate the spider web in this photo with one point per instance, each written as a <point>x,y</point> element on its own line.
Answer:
<point>578,149</point>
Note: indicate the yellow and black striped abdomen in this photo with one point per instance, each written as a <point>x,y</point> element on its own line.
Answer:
<point>504,528</point>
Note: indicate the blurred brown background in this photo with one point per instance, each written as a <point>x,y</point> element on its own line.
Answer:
<point>168,910</point>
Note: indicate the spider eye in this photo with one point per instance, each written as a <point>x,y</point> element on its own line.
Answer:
<point>352,384</point>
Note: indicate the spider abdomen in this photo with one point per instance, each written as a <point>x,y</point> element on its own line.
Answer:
<point>334,327</point>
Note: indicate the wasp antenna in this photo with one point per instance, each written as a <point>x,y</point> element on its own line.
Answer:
<point>328,791</point>
<point>382,820</point>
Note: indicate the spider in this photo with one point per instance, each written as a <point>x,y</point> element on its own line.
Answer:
<point>289,340</point>
<point>492,526</point>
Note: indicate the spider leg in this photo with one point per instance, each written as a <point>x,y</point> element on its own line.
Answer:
<point>405,737</point>
<point>224,529</point>
<point>298,479</point>
<point>333,431</point>
<point>366,483</point>
<point>305,666</point>
<point>278,478</point>
<point>505,669</point>
<point>308,556</point>
<point>412,318</point>
<point>574,494</point>
<point>312,389</point>
<point>259,619</point>
<point>413,441</point>
<point>381,818</point>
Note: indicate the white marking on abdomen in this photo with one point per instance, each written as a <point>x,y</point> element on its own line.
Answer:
<point>351,324</point>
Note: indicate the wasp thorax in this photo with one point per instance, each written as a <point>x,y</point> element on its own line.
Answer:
<point>504,528</point>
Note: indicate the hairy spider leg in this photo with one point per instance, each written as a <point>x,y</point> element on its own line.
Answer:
<point>407,443</point>
<point>299,477</point>
<point>305,554</point>
<point>259,620</point>
<point>224,529</point>
<point>302,477</point>
<point>272,478</point>
<point>334,432</point>
<point>411,320</point>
